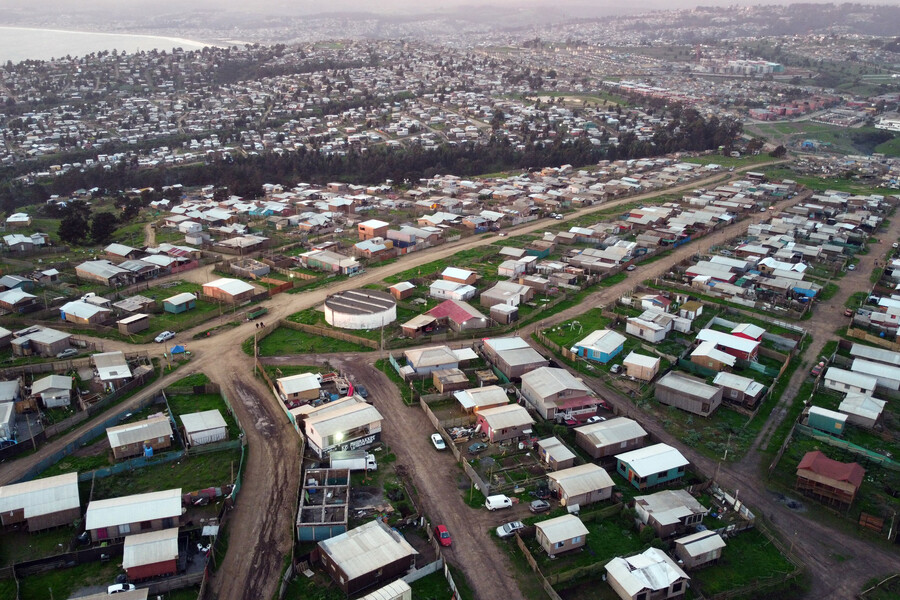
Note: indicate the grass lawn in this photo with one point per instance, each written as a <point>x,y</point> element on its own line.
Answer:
<point>888,591</point>
<point>748,558</point>
<point>191,381</point>
<point>464,259</point>
<point>431,587</point>
<point>284,341</point>
<point>60,583</point>
<point>182,405</point>
<point>318,587</point>
<point>190,473</point>
<point>19,546</point>
<point>569,332</point>
<point>274,371</point>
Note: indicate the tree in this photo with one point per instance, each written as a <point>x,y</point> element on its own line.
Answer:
<point>73,228</point>
<point>778,152</point>
<point>103,226</point>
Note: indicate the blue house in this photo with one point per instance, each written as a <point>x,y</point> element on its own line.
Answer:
<point>180,303</point>
<point>600,346</point>
<point>651,466</point>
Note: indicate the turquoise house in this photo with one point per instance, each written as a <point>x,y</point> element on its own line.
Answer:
<point>648,467</point>
<point>180,303</point>
<point>600,346</point>
<point>826,420</point>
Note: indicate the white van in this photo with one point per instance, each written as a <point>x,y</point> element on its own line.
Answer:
<point>498,501</point>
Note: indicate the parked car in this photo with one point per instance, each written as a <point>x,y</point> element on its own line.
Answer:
<point>497,501</point>
<point>817,370</point>
<point>442,535</point>
<point>630,268</point>
<point>477,447</point>
<point>615,369</point>
<point>67,353</point>
<point>362,391</point>
<point>438,441</point>
<point>507,529</point>
<point>595,419</point>
<point>162,337</point>
<point>895,245</point>
<point>848,312</point>
<point>539,506</point>
<point>119,588</point>
<point>851,267</point>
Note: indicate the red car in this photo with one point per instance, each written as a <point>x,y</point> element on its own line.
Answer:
<point>443,536</point>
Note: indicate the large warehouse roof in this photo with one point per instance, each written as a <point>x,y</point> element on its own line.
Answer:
<point>360,302</point>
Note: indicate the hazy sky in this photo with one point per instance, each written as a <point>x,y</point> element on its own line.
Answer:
<point>374,6</point>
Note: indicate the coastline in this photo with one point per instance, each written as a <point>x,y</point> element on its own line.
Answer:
<point>176,40</point>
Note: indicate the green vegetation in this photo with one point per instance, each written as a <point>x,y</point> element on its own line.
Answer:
<point>465,258</point>
<point>197,379</point>
<point>432,587</point>
<point>856,299</point>
<point>748,559</point>
<point>829,291</point>
<point>60,583</point>
<point>19,546</point>
<point>190,473</point>
<point>383,365</point>
<point>886,591</point>
<point>284,341</point>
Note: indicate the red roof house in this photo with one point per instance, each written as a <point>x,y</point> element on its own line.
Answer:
<point>828,480</point>
<point>458,315</point>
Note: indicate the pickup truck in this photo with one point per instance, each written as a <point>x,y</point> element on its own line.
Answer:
<point>253,314</point>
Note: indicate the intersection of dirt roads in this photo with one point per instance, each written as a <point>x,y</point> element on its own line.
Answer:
<point>262,520</point>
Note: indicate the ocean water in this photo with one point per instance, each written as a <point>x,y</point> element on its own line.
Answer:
<point>18,44</point>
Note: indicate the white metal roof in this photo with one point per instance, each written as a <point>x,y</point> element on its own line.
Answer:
<point>865,382</point>
<point>582,479</point>
<point>392,591</point>
<point>613,431</point>
<point>546,381</point>
<point>41,496</point>
<point>653,459</point>
<point>82,310</point>
<point>181,298</point>
<point>299,383</point>
<point>230,286</point>
<point>489,395</point>
<point>14,296</point>
<point>641,360</point>
<point>754,331</point>
<point>504,417</point>
<point>133,509</point>
<point>347,416</point>
<point>877,354</point>
<point>431,356</point>
<point>556,449</point>
<point>132,433</point>
<point>505,343</point>
<point>698,544</point>
<point>877,370</point>
<point>562,528</point>
<point>457,273</point>
<point>862,405</point>
<point>133,318</point>
<point>709,350</point>
<point>602,340</point>
<point>824,412</point>
<point>374,223</point>
<point>727,340</point>
<point>366,548</point>
<point>650,570</point>
<point>737,382</point>
<point>203,421</point>
<point>52,382</point>
<point>669,506</point>
<point>465,354</point>
<point>402,286</point>
<point>150,548</point>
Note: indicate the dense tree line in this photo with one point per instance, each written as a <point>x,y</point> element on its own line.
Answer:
<point>244,176</point>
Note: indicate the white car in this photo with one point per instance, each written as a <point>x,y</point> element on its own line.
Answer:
<point>165,335</point>
<point>438,441</point>
<point>595,419</point>
<point>118,588</point>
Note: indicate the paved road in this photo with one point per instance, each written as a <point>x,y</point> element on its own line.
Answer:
<point>261,522</point>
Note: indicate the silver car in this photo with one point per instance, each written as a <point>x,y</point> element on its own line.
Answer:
<point>507,529</point>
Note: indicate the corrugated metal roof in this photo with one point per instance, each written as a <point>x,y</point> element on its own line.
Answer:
<point>582,479</point>
<point>602,340</point>
<point>709,350</point>
<point>392,591</point>
<point>346,417</point>
<point>41,496</point>
<point>132,433</point>
<point>556,449</point>
<point>653,459</point>
<point>299,383</point>
<point>669,506</point>
<point>504,417</point>
<point>862,406</point>
<point>430,357</point>
<point>612,432</point>
<point>727,340</point>
<point>546,381</point>
<point>51,382</point>
<point>489,395</point>
<point>181,298</point>
<point>366,548</point>
<point>230,286</point>
<point>865,382</point>
<point>132,509</point>
<point>203,421</point>
<point>150,548</point>
<point>680,382</point>
<point>641,360</point>
<point>562,528</point>
<point>701,542</point>
<point>651,570</point>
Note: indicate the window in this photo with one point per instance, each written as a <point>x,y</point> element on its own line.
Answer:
<point>124,529</point>
<point>676,587</point>
<point>681,469</point>
<point>559,544</point>
<point>641,596</point>
<point>576,539</point>
<point>145,525</point>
